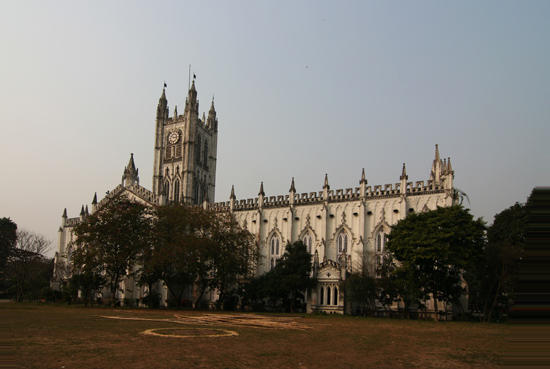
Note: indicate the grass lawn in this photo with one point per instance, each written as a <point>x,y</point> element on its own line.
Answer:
<point>50,336</point>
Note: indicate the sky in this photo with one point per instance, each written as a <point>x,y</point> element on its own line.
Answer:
<point>301,89</point>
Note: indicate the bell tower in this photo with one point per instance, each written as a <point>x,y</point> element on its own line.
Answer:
<point>185,152</point>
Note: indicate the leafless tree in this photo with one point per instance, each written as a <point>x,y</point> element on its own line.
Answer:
<point>26,259</point>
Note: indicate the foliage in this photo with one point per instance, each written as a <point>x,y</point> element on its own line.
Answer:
<point>492,283</point>
<point>200,248</point>
<point>435,247</point>
<point>362,284</point>
<point>287,281</point>
<point>8,238</point>
<point>26,264</point>
<point>109,241</point>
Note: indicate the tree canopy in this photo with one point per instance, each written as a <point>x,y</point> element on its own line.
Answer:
<point>110,241</point>
<point>435,247</point>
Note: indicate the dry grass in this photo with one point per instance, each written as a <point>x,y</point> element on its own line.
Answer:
<point>47,336</point>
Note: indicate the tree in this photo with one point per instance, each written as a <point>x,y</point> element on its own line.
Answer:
<point>228,255</point>
<point>361,284</point>
<point>25,261</point>
<point>109,241</point>
<point>493,282</point>
<point>436,247</point>
<point>200,248</point>
<point>287,281</point>
<point>8,238</point>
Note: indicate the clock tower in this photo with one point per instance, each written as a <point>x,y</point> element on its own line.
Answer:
<point>185,152</point>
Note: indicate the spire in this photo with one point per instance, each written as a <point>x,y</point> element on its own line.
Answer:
<point>191,103</point>
<point>162,107</point>
<point>64,214</point>
<point>175,111</point>
<point>435,175</point>
<point>82,213</point>
<point>292,187</point>
<point>326,185</point>
<point>449,166</point>
<point>404,175</point>
<point>212,121</point>
<point>130,175</point>
<point>94,201</point>
<point>86,211</point>
<point>232,196</point>
<point>262,193</point>
<point>363,178</point>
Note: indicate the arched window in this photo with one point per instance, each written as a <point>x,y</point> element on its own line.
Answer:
<point>199,148</point>
<point>342,242</point>
<point>166,189</point>
<point>308,241</point>
<point>335,295</point>
<point>275,249</point>
<point>328,295</point>
<point>322,296</point>
<point>381,239</point>
<point>205,154</point>
<point>177,190</point>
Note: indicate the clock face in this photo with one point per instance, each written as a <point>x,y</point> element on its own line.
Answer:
<point>173,137</point>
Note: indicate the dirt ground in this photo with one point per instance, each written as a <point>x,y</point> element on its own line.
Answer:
<point>49,336</point>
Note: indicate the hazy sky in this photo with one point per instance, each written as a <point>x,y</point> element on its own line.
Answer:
<point>302,88</point>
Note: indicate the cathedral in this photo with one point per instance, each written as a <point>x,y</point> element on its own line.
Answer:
<point>340,227</point>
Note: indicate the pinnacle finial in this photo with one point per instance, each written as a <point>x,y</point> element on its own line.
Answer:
<point>292,187</point>
<point>82,211</point>
<point>404,173</point>
<point>363,178</point>
<point>94,201</point>
<point>232,196</point>
<point>449,166</point>
<point>64,213</point>
<point>326,185</point>
<point>261,190</point>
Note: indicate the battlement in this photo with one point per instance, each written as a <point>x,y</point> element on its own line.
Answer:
<point>339,195</point>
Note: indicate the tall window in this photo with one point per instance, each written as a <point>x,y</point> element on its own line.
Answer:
<point>381,239</point>
<point>177,190</point>
<point>342,242</point>
<point>308,241</point>
<point>199,148</point>
<point>166,189</point>
<point>275,250</point>
<point>205,154</point>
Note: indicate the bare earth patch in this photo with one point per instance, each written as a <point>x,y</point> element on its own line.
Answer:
<point>48,336</point>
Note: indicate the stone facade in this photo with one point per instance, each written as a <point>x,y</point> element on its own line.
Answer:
<point>340,227</point>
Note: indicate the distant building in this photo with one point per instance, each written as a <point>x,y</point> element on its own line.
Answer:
<point>338,226</point>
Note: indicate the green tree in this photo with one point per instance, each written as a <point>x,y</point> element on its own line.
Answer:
<point>361,284</point>
<point>288,280</point>
<point>493,282</point>
<point>109,241</point>
<point>436,247</point>
<point>8,238</point>
<point>25,262</point>
<point>227,257</point>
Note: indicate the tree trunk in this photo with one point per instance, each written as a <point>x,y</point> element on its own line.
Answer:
<point>436,312</point>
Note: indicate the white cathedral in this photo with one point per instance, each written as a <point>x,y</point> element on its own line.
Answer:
<point>339,226</point>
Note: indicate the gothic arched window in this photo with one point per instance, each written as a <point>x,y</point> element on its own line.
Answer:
<point>205,154</point>
<point>166,189</point>
<point>308,241</point>
<point>177,190</point>
<point>342,243</point>
<point>199,148</point>
<point>381,240</point>
<point>274,249</point>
